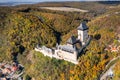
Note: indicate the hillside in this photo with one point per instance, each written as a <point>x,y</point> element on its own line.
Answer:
<point>23,27</point>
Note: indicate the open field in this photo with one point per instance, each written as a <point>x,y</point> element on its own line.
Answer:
<point>65,9</point>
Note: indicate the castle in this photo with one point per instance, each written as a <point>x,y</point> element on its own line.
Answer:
<point>73,47</point>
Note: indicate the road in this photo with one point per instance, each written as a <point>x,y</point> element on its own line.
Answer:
<point>107,73</point>
<point>103,77</point>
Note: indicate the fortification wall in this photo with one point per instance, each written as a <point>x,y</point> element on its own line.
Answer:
<point>45,53</point>
<point>65,55</point>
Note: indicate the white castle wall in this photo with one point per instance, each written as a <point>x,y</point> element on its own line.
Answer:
<point>44,52</point>
<point>59,54</point>
<point>66,55</point>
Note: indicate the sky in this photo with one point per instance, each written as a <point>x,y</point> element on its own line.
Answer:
<point>34,0</point>
<point>44,0</point>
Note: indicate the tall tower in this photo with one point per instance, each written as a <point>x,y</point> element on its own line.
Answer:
<point>83,33</point>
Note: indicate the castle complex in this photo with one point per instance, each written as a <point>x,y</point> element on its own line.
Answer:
<point>73,47</point>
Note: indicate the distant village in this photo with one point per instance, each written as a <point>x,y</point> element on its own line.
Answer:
<point>72,49</point>
<point>114,47</point>
<point>11,71</point>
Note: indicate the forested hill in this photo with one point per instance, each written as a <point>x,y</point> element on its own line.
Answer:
<point>23,27</point>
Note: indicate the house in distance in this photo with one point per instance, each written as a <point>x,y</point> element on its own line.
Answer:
<point>73,47</point>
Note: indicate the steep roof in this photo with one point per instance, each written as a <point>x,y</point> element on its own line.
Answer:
<point>71,40</point>
<point>67,48</point>
<point>82,26</point>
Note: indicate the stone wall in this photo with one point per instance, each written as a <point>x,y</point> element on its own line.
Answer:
<point>66,55</point>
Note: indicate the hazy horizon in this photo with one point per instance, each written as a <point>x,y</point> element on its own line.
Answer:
<point>4,1</point>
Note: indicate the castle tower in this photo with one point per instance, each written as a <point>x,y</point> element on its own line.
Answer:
<point>83,32</point>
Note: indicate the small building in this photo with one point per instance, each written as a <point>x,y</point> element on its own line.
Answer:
<point>112,48</point>
<point>14,68</point>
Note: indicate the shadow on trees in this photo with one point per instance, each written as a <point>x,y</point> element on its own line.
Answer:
<point>97,36</point>
<point>15,53</point>
<point>25,10</point>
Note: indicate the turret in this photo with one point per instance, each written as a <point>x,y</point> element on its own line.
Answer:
<point>82,32</point>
